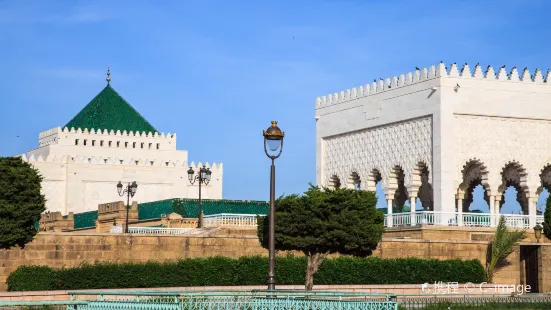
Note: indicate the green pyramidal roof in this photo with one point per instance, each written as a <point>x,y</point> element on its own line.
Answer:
<point>108,110</point>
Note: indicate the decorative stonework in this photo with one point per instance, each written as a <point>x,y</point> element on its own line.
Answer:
<point>405,144</point>
<point>499,142</point>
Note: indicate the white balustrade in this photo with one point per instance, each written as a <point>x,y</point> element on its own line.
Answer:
<point>116,230</point>
<point>452,219</point>
<point>158,230</point>
<point>230,220</point>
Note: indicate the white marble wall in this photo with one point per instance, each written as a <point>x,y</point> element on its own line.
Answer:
<point>77,178</point>
<point>498,118</point>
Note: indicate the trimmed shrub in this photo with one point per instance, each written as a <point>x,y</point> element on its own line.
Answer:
<point>223,271</point>
<point>32,278</point>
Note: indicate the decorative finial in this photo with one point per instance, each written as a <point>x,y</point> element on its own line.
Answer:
<point>274,123</point>
<point>108,79</point>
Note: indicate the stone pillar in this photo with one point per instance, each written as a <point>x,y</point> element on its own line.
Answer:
<point>443,150</point>
<point>532,201</point>
<point>497,204</point>
<point>493,216</point>
<point>412,200</point>
<point>390,220</point>
<point>459,211</point>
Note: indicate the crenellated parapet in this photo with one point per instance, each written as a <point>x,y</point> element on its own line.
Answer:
<point>114,213</point>
<point>55,221</point>
<point>107,138</point>
<point>93,131</point>
<point>129,161</point>
<point>433,72</point>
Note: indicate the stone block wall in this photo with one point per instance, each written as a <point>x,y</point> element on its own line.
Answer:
<point>71,249</point>
<point>115,212</point>
<point>55,221</point>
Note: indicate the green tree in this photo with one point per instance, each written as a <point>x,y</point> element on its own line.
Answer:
<point>502,245</point>
<point>324,221</point>
<point>21,202</point>
<point>547,218</point>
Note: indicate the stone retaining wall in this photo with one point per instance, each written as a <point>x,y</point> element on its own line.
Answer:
<point>71,249</point>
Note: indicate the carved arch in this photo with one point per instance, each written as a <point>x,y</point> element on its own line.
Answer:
<point>373,178</point>
<point>514,174</point>
<point>474,173</point>
<point>421,186</point>
<point>334,182</point>
<point>354,181</point>
<point>396,187</point>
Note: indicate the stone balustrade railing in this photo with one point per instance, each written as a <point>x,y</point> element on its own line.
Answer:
<point>230,220</point>
<point>466,219</point>
<point>158,230</point>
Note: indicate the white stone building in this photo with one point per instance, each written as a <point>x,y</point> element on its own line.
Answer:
<point>435,134</point>
<point>107,142</point>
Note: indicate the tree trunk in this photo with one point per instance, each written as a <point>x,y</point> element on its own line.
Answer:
<point>313,261</point>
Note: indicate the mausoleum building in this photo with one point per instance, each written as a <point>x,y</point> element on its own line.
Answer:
<point>437,133</point>
<point>106,142</point>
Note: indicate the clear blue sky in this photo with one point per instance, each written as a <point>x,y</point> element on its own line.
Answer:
<point>217,72</point>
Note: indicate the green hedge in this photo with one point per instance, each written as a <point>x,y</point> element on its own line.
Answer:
<point>222,271</point>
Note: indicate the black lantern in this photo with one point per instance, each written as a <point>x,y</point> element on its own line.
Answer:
<point>537,232</point>
<point>119,188</point>
<point>204,178</point>
<point>273,141</point>
<point>190,173</point>
<point>130,191</point>
<point>133,188</point>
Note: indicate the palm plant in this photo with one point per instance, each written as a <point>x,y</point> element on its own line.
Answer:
<point>502,245</point>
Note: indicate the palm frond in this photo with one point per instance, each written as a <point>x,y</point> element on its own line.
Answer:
<point>502,246</point>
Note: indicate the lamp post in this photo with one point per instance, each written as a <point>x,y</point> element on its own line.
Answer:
<point>273,146</point>
<point>537,232</point>
<point>204,178</point>
<point>130,191</point>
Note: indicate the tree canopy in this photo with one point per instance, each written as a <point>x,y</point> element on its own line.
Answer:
<point>21,202</point>
<point>325,221</point>
<point>547,218</point>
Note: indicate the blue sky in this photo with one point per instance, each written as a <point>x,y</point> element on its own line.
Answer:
<point>217,72</point>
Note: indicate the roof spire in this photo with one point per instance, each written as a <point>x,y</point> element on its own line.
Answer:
<point>108,79</point>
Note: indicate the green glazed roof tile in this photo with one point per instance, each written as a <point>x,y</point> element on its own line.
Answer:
<point>109,111</point>
<point>86,219</point>
<point>188,207</point>
<point>154,209</point>
<point>209,207</point>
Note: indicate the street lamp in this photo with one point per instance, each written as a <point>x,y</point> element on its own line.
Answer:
<point>537,232</point>
<point>130,191</point>
<point>204,178</point>
<point>273,146</point>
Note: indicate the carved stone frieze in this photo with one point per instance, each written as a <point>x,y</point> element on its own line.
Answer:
<point>405,144</point>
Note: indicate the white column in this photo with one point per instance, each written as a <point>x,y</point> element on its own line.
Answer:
<point>497,204</point>
<point>390,219</point>
<point>459,211</point>
<point>412,200</point>
<point>493,216</point>
<point>532,211</point>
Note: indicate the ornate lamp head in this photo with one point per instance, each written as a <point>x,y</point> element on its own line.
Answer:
<point>273,141</point>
